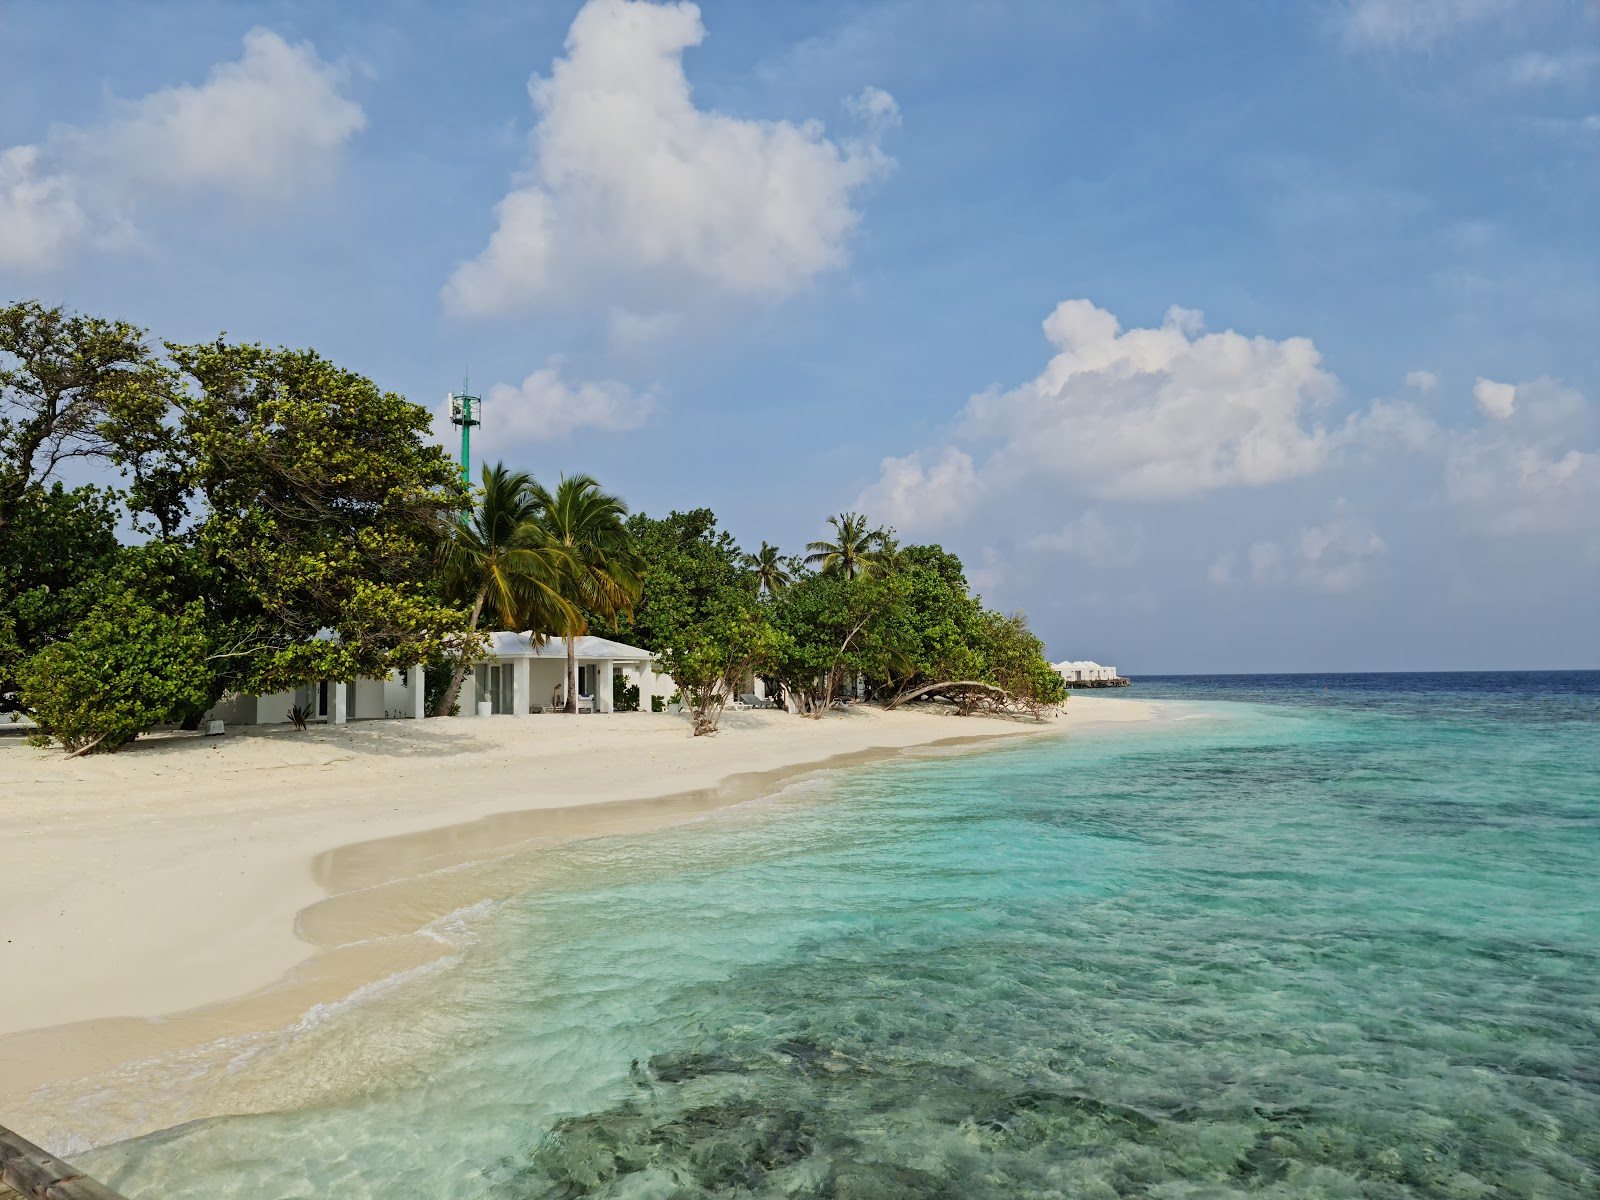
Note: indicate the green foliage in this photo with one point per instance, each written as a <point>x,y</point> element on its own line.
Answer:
<point>685,565</point>
<point>53,554</point>
<point>852,551</point>
<point>624,695</point>
<point>69,384</point>
<point>326,505</point>
<point>698,610</point>
<point>126,668</point>
<point>503,559</point>
<point>300,716</point>
<point>586,528</point>
<point>830,627</point>
<point>771,573</point>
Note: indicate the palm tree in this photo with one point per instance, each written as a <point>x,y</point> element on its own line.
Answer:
<point>598,562</point>
<point>851,553</point>
<point>887,556</point>
<point>498,558</point>
<point>771,575</point>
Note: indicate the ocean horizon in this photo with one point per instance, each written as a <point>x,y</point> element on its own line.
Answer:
<point>1313,934</point>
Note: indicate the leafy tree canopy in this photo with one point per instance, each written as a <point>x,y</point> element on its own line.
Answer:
<point>326,504</point>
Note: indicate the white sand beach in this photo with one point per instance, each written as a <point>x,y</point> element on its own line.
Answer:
<point>240,880</point>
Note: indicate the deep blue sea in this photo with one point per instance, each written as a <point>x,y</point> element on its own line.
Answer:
<point>1302,936</point>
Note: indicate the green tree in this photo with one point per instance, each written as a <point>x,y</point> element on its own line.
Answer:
<point>698,610</point>
<point>852,551</point>
<point>771,572</point>
<point>68,385</point>
<point>325,506</point>
<point>584,529</point>
<point>830,628</point>
<point>126,667</point>
<point>54,552</point>
<point>500,558</point>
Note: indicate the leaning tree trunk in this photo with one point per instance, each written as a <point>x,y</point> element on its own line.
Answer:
<point>448,700</point>
<point>572,674</point>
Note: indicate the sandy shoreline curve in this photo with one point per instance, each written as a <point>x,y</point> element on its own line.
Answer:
<point>240,882</point>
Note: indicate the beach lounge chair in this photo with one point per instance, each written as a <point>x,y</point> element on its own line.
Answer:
<point>585,703</point>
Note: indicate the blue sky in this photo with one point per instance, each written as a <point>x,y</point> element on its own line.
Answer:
<point>1236,336</point>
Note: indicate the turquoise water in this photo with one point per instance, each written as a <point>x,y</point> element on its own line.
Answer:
<point>1336,942</point>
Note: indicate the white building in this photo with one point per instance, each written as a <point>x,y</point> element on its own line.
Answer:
<point>520,677</point>
<point>516,677</point>
<point>1084,671</point>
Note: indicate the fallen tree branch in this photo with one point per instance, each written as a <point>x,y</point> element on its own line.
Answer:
<point>948,685</point>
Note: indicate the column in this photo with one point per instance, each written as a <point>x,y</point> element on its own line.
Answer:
<point>602,686</point>
<point>417,692</point>
<point>339,693</point>
<point>520,697</point>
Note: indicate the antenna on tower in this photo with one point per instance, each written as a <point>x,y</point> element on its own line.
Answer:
<point>466,410</point>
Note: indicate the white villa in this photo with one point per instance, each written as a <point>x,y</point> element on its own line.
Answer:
<point>517,677</point>
<point>1084,672</point>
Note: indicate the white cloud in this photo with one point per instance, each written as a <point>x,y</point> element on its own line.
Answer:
<point>632,182</point>
<point>1156,413</point>
<point>1497,400</point>
<point>1521,475</point>
<point>1335,557</point>
<point>1413,24</point>
<point>1266,563</point>
<point>1093,539</point>
<point>1535,69</point>
<point>1422,381</point>
<point>874,106</point>
<point>1331,557</point>
<point>258,126</point>
<point>261,127</point>
<point>40,218</point>
<point>1220,573</point>
<point>913,494</point>
<point>545,407</point>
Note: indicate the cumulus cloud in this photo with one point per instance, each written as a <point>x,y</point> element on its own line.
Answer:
<point>914,492</point>
<point>1422,381</point>
<point>1521,474</point>
<point>1093,539</point>
<point>1332,557</point>
<point>631,181</point>
<point>546,407</point>
<point>40,218</point>
<point>260,127</point>
<point>874,106</point>
<point>1497,400</point>
<point>1413,24</point>
<point>1147,414</point>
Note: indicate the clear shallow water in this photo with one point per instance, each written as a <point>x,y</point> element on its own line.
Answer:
<point>1306,943</point>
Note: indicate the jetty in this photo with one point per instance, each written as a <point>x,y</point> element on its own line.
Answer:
<point>28,1172</point>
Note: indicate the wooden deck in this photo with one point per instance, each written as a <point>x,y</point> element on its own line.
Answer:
<point>30,1173</point>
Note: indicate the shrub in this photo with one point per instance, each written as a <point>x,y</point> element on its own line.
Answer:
<point>125,669</point>
<point>624,695</point>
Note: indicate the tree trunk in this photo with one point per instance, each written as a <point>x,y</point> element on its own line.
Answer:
<point>572,674</point>
<point>448,700</point>
<point>965,684</point>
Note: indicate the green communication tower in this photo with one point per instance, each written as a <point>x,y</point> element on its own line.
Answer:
<point>466,410</point>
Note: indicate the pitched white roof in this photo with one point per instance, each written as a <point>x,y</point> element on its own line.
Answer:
<point>521,645</point>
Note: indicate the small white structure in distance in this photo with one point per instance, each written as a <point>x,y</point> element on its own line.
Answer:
<point>1084,672</point>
